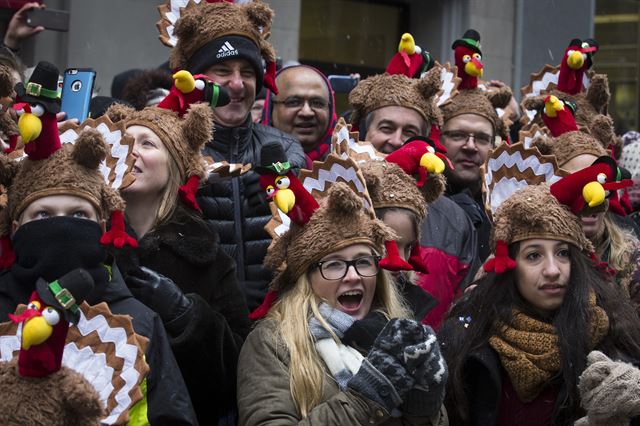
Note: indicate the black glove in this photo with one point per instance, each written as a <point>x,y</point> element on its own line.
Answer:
<point>163,296</point>
<point>363,333</point>
<point>252,191</point>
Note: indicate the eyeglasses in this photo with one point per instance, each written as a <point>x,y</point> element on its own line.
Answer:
<point>297,102</point>
<point>458,136</point>
<point>336,269</point>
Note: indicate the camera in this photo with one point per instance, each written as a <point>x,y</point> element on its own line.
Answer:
<point>76,85</point>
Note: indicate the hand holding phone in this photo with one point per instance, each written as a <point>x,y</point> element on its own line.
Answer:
<point>77,88</point>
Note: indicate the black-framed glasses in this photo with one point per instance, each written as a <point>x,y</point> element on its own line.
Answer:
<point>458,136</point>
<point>297,102</point>
<point>336,269</point>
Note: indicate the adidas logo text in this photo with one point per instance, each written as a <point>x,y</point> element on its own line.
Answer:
<point>226,50</point>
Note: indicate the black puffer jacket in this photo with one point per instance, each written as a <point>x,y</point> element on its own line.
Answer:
<point>236,207</point>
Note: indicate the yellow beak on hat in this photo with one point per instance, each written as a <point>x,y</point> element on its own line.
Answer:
<point>575,60</point>
<point>432,163</point>
<point>35,331</point>
<point>285,199</point>
<point>29,126</point>
<point>184,81</point>
<point>594,194</point>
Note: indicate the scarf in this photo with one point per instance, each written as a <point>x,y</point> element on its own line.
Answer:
<point>49,248</point>
<point>342,361</point>
<point>529,352</point>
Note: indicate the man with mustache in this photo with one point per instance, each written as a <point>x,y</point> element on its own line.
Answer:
<point>305,108</point>
<point>226,42</point>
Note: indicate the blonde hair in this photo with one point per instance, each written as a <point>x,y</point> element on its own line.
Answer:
<point>621,243</point>
<point>169,201</point>
<point>291,315</point>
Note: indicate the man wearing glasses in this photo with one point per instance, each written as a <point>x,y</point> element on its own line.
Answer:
<point>471,127</point>
<point>304,107</point>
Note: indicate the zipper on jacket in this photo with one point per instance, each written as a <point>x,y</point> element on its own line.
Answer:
<point>237,206</point>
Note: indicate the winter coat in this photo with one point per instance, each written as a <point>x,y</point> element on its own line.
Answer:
<point>188,251</point>
<point>236,207</point>
<point>450,247</point>
<point>167,397</point>
<point>264,395</point>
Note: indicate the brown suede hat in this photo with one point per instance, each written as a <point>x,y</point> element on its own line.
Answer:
<point>533,212</point>
<point>482,103</point>
<point>183,137</point>
<point>339,222</point>
<point>384,90</point>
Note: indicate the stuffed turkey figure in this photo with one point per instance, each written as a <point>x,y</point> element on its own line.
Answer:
<point>577,59</point>
<point>188,89</point>
<point>282,186</point>
<point>37,104</point>
<point>410,59</point>
<point>36,389</point>
<point>468,59</point>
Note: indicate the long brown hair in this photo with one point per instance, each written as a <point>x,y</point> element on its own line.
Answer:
<point>493,300</point>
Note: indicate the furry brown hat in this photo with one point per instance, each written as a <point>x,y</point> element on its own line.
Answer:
<point>390,186</point>
<point>482,103</point>
<point>569,145</point>
<point>183,137</point>
<point>534,212</point>
<point>339,222</point>
<point>71,170</point>
<point>591,108</point>
<point>205,23</point>
<point>398,90</point>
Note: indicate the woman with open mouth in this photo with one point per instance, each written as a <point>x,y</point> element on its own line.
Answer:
<point>517,344</point>
<point>318,356</point>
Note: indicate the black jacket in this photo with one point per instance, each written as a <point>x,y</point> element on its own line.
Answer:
<point>167,397</point>
<point>236,207</point>
<point>187,251</point>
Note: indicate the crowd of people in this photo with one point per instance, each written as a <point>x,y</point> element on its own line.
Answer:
<point>437,254</point>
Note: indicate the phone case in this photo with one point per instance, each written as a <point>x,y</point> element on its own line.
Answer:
<point>77,88</point>
<point>51,19</point>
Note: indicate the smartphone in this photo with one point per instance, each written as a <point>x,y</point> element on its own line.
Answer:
<point>51,19</point>
<point>342,83</point>
<point>77,87</point>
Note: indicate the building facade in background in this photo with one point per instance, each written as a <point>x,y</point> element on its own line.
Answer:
<point>347,36</point>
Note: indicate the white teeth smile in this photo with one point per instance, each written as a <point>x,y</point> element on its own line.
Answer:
<point>352,293</point>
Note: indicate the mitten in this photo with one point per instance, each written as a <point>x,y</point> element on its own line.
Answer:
<point>609,391</point>
<point>382,377</point>
<point>363,333</point>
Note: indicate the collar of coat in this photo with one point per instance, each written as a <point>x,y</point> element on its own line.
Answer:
<point>191,240</point>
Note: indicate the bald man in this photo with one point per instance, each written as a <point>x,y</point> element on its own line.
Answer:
<point>304,107</point>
